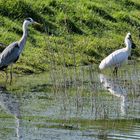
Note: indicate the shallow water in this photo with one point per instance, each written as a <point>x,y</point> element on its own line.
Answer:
<point>72,104</point>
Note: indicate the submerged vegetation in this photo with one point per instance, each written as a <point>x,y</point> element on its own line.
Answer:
<point>71,32</point>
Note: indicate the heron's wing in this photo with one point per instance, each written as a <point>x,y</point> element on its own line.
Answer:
<point>9,55</point>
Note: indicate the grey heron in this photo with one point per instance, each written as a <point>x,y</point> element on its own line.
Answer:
<point>118,57</point>
<point>12,52</point>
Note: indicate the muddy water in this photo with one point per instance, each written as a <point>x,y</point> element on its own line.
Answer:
<point>72,104</point>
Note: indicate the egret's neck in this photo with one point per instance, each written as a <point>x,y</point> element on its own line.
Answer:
<point>128,46</point>
<point>23,39</point>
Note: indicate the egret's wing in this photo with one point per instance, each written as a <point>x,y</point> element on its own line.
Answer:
<point>9,55</point>
<point>115,58</point>
<point>119,57</point>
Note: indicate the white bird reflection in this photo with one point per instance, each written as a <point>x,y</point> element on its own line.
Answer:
<point>11,106</point>
<point>113,86</point>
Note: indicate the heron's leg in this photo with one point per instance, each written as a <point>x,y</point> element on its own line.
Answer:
<point>6,72</point>
<point>115,71</point>
<point>1,73</point>
<point>11,74</point>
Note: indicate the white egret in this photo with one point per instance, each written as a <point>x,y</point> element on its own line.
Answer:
<point>118,57</point>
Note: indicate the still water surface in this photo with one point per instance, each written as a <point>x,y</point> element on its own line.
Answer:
<point>72,104</point>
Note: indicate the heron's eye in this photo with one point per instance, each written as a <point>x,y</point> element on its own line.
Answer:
<point>29,19</point>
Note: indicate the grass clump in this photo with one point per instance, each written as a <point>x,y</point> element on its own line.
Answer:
<point>72,32</point>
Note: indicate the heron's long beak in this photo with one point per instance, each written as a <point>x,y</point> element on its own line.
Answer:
<point>36,23</point>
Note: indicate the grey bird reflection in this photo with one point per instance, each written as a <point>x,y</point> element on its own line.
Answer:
<point>10,105</point>
<point>113,86</point>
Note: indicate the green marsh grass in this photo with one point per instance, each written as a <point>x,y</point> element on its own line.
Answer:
<point>77,32</point>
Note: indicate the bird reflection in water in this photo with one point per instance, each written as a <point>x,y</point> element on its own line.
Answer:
<point>114,87</point>
<point>10,104</point>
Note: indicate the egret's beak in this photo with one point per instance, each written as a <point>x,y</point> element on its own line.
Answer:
<point>133,45</point>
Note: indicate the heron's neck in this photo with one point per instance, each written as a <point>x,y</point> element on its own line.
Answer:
<point>23,39</point>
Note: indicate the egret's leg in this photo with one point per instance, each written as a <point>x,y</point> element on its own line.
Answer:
<point>11,75</point>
